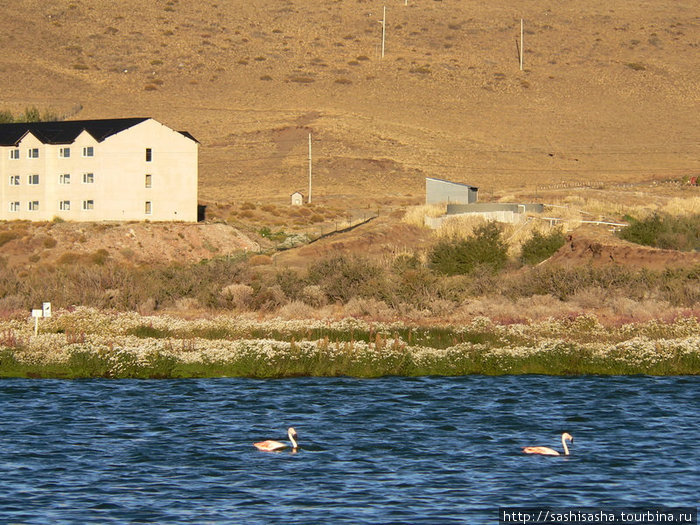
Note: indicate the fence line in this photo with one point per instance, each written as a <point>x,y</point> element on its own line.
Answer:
<point>351,226</point>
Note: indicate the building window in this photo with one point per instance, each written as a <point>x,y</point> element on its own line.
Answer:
<point>149,154</point>
<point>148,207</point>
<point>33,205</point>
<point>88,178</point>
<point>33,153</point>
<point>64,153</point>
<point>64,178</point>
<point>14,154</point>
<point>14,206</point>
<point>33,179</point>
<point>149,180</point>
<point>88,151</point>
<point>14,180</point>
<point>89,204</point>
<point>64,205</point>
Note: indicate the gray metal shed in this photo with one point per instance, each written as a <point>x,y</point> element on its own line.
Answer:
<point>438,190</point>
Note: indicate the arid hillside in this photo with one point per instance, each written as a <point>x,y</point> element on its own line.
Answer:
<point>609,91</point>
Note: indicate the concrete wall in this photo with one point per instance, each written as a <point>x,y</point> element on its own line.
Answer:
<point>490,211</point>
<point>498,216</point>
<point>437,191</point>
<point>118,190</point>
<point>484,207</point>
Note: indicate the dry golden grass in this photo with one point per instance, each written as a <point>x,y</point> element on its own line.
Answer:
<point>681,206</point>
<point>251,80</point>
<point>637,202</point>
<point>415,215</point>
<point>459,226</point>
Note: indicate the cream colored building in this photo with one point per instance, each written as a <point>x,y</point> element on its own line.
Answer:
<point>97,170</point>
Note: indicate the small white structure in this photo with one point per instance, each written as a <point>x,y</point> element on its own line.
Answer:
<point>38,313</point>
<point>297,199</point>
<point>97,170</point>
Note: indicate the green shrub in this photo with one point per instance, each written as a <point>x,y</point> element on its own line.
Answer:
<point>31,115</point>
<point>146,331</point>
<point>266,232</point>
<point>664,231</point>
<point>462,256</point>
<point>6,117</point>
<point>541,246</point>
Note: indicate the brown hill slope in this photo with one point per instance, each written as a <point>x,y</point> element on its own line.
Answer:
<point>609,91</point>
<point>29,244</point>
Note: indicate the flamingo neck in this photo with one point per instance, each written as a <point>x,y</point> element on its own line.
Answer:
<point>566,449</point>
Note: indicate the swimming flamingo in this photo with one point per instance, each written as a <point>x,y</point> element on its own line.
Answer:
<point>274,446</point>
<point>546,451</point>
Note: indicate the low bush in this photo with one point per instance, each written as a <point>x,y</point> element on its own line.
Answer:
<point>485,247</point>
<point>238,296</point>
<point>665,231</point>
<point>541,246</point>
<point>291,283</point>
<point>343,278</point>
<point>7,236</point>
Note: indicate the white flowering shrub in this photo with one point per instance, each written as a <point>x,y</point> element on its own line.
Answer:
<point>84,342</point>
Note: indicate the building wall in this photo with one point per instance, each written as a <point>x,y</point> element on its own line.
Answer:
<point>437,191</point>
<point>117,188</point>
<point>483,207</point>
<point>297,199</point>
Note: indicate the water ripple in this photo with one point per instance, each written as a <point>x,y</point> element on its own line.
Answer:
<point>393,450</point>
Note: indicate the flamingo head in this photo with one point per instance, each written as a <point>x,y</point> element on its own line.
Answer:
<point>293,437</point>
<point>567,436</point>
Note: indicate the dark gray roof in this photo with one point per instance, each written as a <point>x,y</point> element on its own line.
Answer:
<point>65,132</point>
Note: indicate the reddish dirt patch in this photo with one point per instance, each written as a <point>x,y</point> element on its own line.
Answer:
<point>582,249</point>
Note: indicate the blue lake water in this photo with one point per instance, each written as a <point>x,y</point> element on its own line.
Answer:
<point>393,450</point>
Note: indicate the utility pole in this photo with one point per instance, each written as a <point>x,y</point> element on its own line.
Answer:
<point>383,22</point>
<point>521,44</point>
<point>309,200</point>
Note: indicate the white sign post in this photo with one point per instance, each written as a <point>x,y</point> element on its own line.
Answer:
<point>44,311</point>
<point>36,314</point>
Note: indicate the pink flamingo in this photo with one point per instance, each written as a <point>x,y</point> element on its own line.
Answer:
<point>274,446</point>
<point>546,451</point>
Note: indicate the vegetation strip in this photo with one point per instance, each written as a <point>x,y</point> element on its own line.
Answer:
<point>88,343</point>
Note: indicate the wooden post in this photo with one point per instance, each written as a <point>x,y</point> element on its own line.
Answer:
<point>521,44</point>
<point>309,200</point>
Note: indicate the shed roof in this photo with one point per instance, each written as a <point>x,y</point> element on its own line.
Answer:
<point>451,182</point>
<point>65,132</point>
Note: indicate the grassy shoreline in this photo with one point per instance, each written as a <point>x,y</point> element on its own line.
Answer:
<point>86,343</point>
